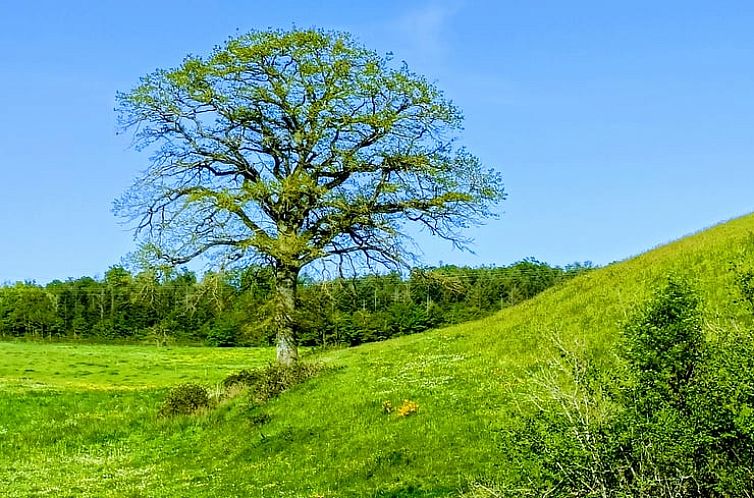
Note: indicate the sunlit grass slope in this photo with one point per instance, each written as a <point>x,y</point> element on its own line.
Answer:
<point>66,433</point>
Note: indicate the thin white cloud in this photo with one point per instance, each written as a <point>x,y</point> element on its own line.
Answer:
<point>424,28</point>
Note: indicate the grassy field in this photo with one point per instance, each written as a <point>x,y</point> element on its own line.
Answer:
<point>82,420</point>
<point>83,367</point>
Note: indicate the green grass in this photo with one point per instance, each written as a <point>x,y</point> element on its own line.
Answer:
<point>81,420</point>
<point>97,367</point>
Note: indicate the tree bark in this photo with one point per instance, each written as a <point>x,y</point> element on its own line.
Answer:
<point>286,283</point>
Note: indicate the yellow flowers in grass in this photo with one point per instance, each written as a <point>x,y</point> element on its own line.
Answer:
<point>407,408</point>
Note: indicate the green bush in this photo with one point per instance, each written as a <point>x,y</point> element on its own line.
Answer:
<point>664,344</point>
<point>243,378</point>
<point>723,412</point>
<point>684,426</point>
<point>657,440</point>
<point>222,334</point>
<point>743,277</point>
<point>270,381</point>
<point>184,400</point>
<point>688,423</point>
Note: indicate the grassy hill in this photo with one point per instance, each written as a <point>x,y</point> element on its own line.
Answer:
<point>69,426</point>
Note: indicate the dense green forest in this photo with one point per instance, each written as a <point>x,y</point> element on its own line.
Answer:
<point>232,308</point>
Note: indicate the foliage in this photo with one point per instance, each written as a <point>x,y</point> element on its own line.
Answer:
<point>184,399</point>
<point>266,383</point>
<point>685,427</point>
<point>295,147</point>
<point>232,308</point>
<point>222,333</point>
<point>664,344</point>
<point>242,378</point>
<point>744,280</point>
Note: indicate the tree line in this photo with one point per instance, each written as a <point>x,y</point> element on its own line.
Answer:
<point>236,308</point>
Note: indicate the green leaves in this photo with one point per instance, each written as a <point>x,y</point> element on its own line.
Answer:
<point>665,345</point>
<point>294,146</point>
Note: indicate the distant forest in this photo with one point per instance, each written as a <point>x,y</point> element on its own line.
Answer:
<point>233,308</point>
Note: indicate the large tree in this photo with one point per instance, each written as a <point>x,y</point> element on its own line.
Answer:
<point>294,147</point>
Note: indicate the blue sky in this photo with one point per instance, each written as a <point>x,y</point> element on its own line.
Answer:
<point>617,126</point>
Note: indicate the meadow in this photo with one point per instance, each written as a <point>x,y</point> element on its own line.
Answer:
<point>82,420</point>
<point>72,413</point>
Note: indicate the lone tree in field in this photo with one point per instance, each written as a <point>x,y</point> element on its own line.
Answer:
<point>293,147</point>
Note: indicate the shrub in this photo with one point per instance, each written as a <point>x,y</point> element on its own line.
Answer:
<point>744,280</point>
<point>664,343</point>
<point>244,378</point>
<point>685,427</point>
<point>270,381</point>
<point>184,399</point>
<point>723,412</point>
<point>222,333</point>
<point>655,439</point>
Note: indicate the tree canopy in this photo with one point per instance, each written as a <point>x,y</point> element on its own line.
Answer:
<point>298,146</point>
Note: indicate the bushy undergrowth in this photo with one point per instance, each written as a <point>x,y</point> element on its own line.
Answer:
<point>184,400</point>
<point>266,383</point>
<point>682,425</point>
<point>262,385</point>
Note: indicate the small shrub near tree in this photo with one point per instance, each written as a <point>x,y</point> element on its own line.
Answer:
<point>262,384</point>
<point>269,382</point>
<point>184,399</point>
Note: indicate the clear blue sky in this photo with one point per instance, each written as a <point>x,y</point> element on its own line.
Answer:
<point>617,126</point>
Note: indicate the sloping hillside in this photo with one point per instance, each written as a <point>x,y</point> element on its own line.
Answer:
<point>332,436</point>
<point>469,379</point>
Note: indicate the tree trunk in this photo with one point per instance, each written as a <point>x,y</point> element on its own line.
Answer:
<point>286,283</point>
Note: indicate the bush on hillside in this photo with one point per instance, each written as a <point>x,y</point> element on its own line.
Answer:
<point>242,378</point>
<point>743,275</point>
<point>655,441</point>
<point>269,382</point>
<point>184,399</point>
<point>685,423</point>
